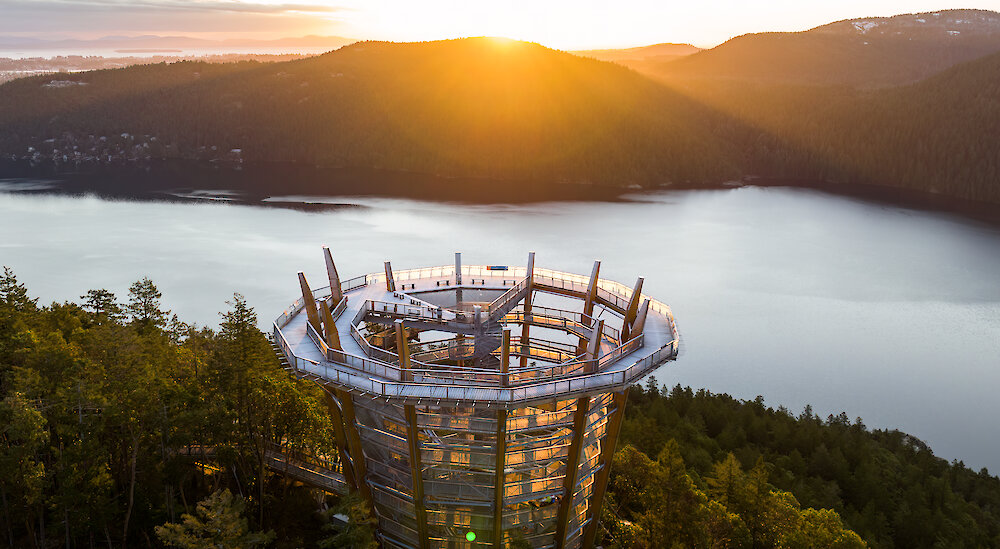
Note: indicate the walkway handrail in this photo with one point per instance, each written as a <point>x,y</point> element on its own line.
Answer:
<point>577,319</point>
<point>321,293</point>
<point>497,305</point>
<point>610,291</point>
<point>464,383</point>
<point>597,380</point>
<point>354,283</point>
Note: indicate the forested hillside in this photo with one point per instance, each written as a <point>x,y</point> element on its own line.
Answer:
<point>868,52</point>
<point>476,107</point>
<point>488,110</point>
<point>681,451</point>
<point>101,403</point>
<point>644,58</point>
<point>935,136</point>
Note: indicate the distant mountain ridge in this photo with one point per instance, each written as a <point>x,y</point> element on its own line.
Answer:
<point>943,23</point>
<point>642,58</point>
<point>863,52</point>
<point>665,50</point>
<point>153,42</point>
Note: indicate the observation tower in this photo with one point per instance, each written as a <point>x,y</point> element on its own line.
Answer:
<point>476,404</point>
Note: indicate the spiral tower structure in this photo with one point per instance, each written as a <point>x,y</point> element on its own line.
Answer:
<point>476,404</point>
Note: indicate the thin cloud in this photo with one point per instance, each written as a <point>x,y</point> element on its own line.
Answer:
<point>177,5</point>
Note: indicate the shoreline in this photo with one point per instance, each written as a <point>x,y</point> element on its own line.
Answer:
<point>257,183</point>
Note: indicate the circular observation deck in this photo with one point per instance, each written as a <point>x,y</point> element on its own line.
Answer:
<point>490,335</point>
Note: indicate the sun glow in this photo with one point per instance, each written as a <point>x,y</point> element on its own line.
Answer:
<point>562,24</point>
<point>555,23</point>
<point>589,24</point>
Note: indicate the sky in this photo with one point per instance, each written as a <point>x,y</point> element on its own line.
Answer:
<point>563,24</point>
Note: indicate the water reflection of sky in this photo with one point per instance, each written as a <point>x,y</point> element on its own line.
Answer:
<point>886,313</point>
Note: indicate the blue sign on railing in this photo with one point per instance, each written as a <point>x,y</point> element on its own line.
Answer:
<point>496,267</point>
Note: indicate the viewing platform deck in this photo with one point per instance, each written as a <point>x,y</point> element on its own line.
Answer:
<point>475,368</point>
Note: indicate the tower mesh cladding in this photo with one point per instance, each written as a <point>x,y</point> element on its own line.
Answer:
<point>490,437</point>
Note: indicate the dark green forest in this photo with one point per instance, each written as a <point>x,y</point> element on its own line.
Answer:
<point>493,109</point>
<point>108,407</point>
<point>884,484</point>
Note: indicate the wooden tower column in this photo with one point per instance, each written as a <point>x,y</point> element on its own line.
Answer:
<point>412,437</point>
<point>341,437</point>
<point>346,400</point>
<point>588,302</point>
<point>505,357</point>
<point>403,350</point>
<point>525,328</point>
<point>417,474</point>
<point>500,478</point>
<point>601,479</point>
<point>572,470</point>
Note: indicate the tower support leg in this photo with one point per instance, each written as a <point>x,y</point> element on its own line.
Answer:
<point>601,481</point>
<point>525,327</point>
<point>498,488</point>
<point>354,446</point>
<point>572,468</point>
<point>347,468</point>
<point>417,474</point>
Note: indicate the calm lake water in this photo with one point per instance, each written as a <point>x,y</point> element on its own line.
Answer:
<point>883,312</point>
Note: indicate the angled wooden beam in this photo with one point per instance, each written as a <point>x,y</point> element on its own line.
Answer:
<point>336,291</point>
<point>632,310</point>
<point>390,282</point>
<point>594,347</point>
<point>309,303</point>
<point>330,327</point>
<point>640,319</point>
<point>525,328</point>
<point>572,469</point>
<point>588,302</point>
<point>500,479</point>
<point>416,472</point>
<point>601,480</point>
